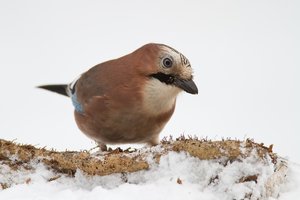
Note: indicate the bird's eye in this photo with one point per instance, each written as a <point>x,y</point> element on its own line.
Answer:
<point>167,62</point>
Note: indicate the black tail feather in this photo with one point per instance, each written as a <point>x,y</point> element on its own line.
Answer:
<point>60,89</point>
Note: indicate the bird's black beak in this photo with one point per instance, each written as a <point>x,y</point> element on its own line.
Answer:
<point>187,85</point>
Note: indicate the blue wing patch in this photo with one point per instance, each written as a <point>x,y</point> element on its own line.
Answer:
<point>78,106</point>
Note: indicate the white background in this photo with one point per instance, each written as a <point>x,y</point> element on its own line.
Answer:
<point>245,55</point>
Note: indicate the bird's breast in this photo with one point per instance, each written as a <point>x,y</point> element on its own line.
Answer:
<point>159,97</point>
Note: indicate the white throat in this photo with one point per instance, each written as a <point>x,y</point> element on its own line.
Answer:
<point>159,97</point>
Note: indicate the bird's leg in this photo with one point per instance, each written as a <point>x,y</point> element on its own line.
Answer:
<point>101,149</point>
<point>102,146</point>
<point>153,141</point>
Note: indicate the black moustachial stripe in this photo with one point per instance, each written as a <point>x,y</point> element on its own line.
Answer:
<point>165,78</point>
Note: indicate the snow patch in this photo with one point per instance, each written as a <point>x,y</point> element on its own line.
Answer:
<point>199,179</point>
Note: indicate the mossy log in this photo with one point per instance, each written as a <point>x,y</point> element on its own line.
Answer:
<point>17,156</point>
<point>118,161</point>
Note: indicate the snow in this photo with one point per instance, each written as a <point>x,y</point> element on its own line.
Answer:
<point>177,176</point>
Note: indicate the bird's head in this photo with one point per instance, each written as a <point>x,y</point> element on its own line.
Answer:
<point>167,65</point>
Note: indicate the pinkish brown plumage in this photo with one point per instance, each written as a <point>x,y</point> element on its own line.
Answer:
<point>129,99</point>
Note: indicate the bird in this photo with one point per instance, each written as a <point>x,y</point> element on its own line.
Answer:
<point>129,99</point>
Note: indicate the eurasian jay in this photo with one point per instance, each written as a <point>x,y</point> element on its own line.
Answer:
<point>129,99</point>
